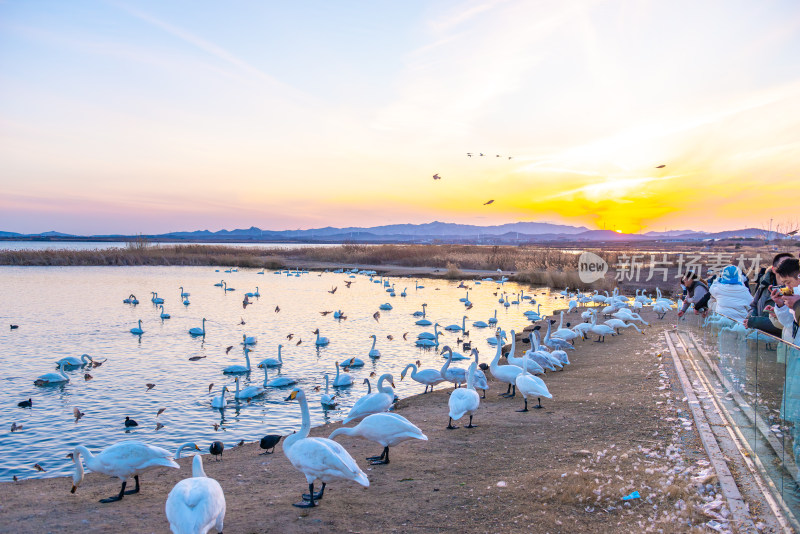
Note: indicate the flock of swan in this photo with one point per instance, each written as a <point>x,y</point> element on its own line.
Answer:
<point>197,504</point>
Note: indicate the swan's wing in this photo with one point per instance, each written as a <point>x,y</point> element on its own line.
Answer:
<point>372,403</point>
<point>389,429</point>
<point>194,505</point>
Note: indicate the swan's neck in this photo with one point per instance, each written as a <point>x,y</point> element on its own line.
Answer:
<point>85,358</point>
<point>306,422</point>
<point>237,390</point>
<point>342,430</point>
<point>447,363</point>
<point>561,322</point>
<point>247,358</point>
<point>188,443</point>
<point>337,372</point>
<point>384,389</point>
<point>61,370</point>
<point>498,352</point>
<point>76,457</point>
<point>374,340</point>
<point>197,467</point>
<point>413,368</point>
<point>326,381</point>
<point>471,376</point>
<point>513,343</point>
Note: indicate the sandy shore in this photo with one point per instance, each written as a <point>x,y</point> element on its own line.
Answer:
<point>610,429</point>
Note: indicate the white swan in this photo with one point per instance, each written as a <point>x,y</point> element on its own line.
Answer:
<point>219,402</point>
<point>428,335</point>
<point>273,362</point>
<point>122,460</point>
<point>156,299</point>
<point>600,330</point>
<point>420,313</point>
<point>234,369</point>
<point>373,352</point>
<point>220,284</point>
<point>352,362</point>
<point>281,381</point>
<point>250,391</point>
<point>318,458</point>
<point>567,334</point>
<point>616,324</point>
<point>464,401</point>
<point>493,319</point>
<point>198,331</point>
<point>321,341</point>
<point>53,379</point>
<point>504,373</point>
<point>456,375</point>
<point>373,402</point>
<point>343,380</point>
<point>387,429</point>
<point>328,400</point>
<point>196,505</point>
<point>72,361</point>
<point>187,445</point>
<point>184,293</point>
<point>248,340</point>
<point>527,384</point>
<point>457,328</point>
<point>253,293</point>
<point>480,377</point>
<point>530,365</point>
<point>137,330</point>
<point>164,315</point>
<point>426,377</point>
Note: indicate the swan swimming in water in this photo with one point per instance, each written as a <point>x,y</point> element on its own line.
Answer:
<point>122,460</point>
<point>327,399</point>
<point>197,504</point>
<point>273,362</point>
<point>137,330</point>
<point>234,369</point>
<point>281,381</point>
<point>164,315</point>
<point>318,458</point>
<point>387,429</point>
<point>373,352</point>
<point>53,379</point>
<point>321,341</point>
<point>219,402</point>
<point>72,361</point>
<point>198,331</point>
<point>342,380</point>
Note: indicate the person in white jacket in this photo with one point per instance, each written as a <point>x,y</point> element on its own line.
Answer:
<point>732,296</point>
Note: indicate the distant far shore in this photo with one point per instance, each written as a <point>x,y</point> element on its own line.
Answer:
<point>552,265</point>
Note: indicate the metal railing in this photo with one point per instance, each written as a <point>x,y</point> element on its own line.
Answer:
<point>760,374</point>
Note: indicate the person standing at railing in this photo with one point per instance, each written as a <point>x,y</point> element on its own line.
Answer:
<point>732,296</point>
<point>787,310</point>
<point>696,293</point>
<point>758,317</point>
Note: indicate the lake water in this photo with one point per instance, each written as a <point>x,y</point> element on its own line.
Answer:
<point>68,311</point>
<point>110,245</point>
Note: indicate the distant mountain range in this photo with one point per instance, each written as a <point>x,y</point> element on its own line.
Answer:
<point>519,232</point>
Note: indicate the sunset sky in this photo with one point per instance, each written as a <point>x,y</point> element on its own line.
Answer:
<point>156,116</point>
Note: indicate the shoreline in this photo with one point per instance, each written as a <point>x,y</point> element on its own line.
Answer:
<point>610,416</point>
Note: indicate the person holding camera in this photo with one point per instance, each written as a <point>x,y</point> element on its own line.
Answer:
<point>758,317</point>
<point>696,293</point>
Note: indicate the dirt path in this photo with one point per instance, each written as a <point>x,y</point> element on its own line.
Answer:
<point>611,428</point>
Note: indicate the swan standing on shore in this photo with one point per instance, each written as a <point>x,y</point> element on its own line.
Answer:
<point>122,460</point>
<point>318,458</point>
<point>456,375</point>
<point>601,330</point>
<point>464,401</point>
<point>504,373</point>
<point>426,377</point>
<point>527,384</point>
<point>387,429</point>
<point>197,504</point>
<point>373,402</point>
